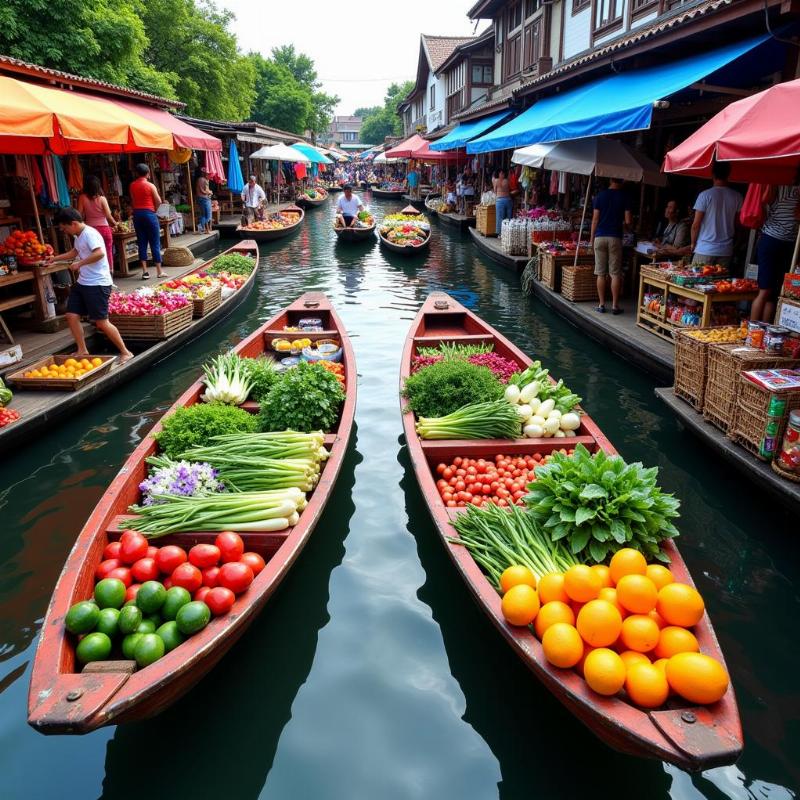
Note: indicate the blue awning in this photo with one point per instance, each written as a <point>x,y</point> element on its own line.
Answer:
<point>615,103</point>
<point>465,131</point>
<point>313,155</point>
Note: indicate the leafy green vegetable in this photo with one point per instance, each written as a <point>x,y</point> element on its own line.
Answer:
<point>598,504</point>
<point>234,263</point>
<point>446,386</point>
<point>262,376</point>
<point>5,394</point>
<point>196,425</point>
<point>455,350</point>
<point>305,398</point>
<point>494,420</point>
<point>564,398</point>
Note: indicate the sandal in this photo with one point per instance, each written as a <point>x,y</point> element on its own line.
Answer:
<point>600,309</point>
<point>616,311</point>
<point>145,276</point>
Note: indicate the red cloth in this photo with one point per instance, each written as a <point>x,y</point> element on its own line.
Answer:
<point>214,169</point>
<point>300,170</point>
<point>142,195</point>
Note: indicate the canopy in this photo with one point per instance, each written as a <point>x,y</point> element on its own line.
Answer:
<point>314,155</point>
<point>406,148</point>
<point>213,166</point>
<point>382,159</point>
<point>235,180</point>
<point>607,158</point>
<point>183,134</point>
<point>615,103</point>
<point>425,153</point>
<point>464,131</point>
<point>759,135</point>
<point>38,119</point>
<point>280,152</point>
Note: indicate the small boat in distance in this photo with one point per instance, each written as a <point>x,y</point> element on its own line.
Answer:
<point>290,219</point>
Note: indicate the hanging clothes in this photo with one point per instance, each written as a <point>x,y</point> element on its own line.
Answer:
<point>562,182</point>
<point>74,174</point>
<point>300,171</point>
<point>50,179</point>
<point>554,183</point>
<point>64,200</point>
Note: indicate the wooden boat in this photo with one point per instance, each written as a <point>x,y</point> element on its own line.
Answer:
<point>388,194</point>
<point>693,738</point>
<point>333,187</point>
<point>275,233</point>
<point>416,202</point>
<point>62,700</point>
<point>41,408</point>
<point>432,204</point>
<point>459,221</point>
<point>306,202</point>
<point>355,234</point>
<point>406,249</point>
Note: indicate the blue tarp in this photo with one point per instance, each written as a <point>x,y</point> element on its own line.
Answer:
<point>465,131</point>
<point>313,155</point>
<point>235,180</point>
<point>615,103</point>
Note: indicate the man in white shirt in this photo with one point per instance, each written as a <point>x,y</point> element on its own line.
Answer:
<point>347,207</point>
<point>716,211</point>
<point>89,296</point>
<point>252,197</point>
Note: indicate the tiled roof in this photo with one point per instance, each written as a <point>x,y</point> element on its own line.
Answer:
<point>439,48</point>
<point>15,65</point>
<point>476,42</point>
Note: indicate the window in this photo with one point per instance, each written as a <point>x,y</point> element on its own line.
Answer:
<point>511,54</point>
<point>640,6</point>
<point>482,74</point>
<point>433,96</point>
<point>531,7</point>
<point>606,13</point>
<point>580,5</point>
<point>533,43</point>
<point>514,16</point>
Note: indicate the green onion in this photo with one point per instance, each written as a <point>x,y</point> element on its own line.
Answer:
<point>496,419</point>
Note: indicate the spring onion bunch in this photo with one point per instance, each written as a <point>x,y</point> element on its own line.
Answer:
<point>536,382</point>
<point>493,420</point>
<point>226,380</point>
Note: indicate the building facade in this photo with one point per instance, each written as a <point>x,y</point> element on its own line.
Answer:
<point>344,132</point>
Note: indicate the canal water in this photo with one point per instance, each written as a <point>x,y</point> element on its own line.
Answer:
<point>371,675</point>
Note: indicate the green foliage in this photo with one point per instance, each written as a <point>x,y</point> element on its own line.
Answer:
<point>366,111</point>
<point>195,426</point>
<point>384,121</point>
<point>306,398</point>
<point>234,263</point>
<point>446,386</point>
<point>262,376</point>
<point>598,504</point>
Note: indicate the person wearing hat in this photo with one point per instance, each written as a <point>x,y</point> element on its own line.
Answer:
<point>252,197</point>
<point>347,207</point>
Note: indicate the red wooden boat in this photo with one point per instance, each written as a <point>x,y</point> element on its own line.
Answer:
<point>62,700</point>
<point>694,738</point>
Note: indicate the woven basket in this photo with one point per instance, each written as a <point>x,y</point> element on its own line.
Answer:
<point>177,257</point>
<point>691,367</point>
<point>750,418</point>
<point>159,326</point>
<point>202,305</point>
<point>548,270</point>
<point>578,283</point>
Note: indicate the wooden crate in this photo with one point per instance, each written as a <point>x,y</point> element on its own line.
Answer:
<point>155,327</point>
<point>203,305</point>
<point>486,220</point>
<point>19,381</point>
<point>578,283</point>
<point>749,423</point>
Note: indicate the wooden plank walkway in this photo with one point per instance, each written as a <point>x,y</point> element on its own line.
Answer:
<point>490,247</point>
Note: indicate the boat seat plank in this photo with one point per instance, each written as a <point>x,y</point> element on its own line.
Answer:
<point>452,334</point>
<point>103,667</point>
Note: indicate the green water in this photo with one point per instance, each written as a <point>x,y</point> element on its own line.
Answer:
<point>371,675</point>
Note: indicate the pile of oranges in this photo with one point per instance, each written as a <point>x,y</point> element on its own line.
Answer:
<point>622,626</point>
<point>25,246</point>
<point>71,368</point>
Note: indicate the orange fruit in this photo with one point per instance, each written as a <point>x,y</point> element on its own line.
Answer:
<point>662,665</point>
<point>520,604</point>
<point>576,607</point>
<point>550,613</point>
<point>646,685</point>
<point>96,361</point>
<point>599,623</point>
<point>604,572</point>
<point>659,574</point>
<point>680,604</point>
<point>515,575</point>
<point>627,562</point>
<point>639,633</point>
<point>637,593</point>
<point>675,640</point>
<point>654,615</point>
<point>551,587</point>
<point>562,645</point>
<point>631,657</point>
<point>587,648</point>
<point>697,678</point>
<point>609,593</point>
<point>604,671</point>
<point>581,583</point>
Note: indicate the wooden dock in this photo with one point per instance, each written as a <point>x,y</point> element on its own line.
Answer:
<point>490,247</point>
<point>459,221</point>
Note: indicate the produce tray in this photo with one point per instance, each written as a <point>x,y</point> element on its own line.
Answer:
<point>18,380</point>
<point>578,283</point>
<point>691,366</point>
<point>204,305</point>
<point>157,326</point>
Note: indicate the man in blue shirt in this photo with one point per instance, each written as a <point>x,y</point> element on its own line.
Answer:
<point>612,213</point>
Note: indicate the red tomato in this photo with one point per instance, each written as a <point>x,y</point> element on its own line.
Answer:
<point>204,555</point>
<point>130,592</point>
<point>145,569</point>
<point>254,561</point>
<point>133,546</point>
<point>220,600</point>
<point>105,567</point>
<point>123,574</point>
<point>440,468</point>
<point>169,558</point>
<point>210,576</point>
<point>152,551</point>
<point>202,594</point>
<point>111,550</point>
<point>230,546</point>
<point>167,583</point>
<point>235,576</point>
<point>188,576</point>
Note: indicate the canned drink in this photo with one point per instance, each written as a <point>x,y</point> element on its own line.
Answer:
<point>767,447</point>
<point>777,406</point>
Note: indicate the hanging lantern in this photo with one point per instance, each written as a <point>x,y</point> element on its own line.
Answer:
<point>180,155</point>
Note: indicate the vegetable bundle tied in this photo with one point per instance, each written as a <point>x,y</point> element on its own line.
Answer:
<point>494,420</point>
<point>563,398</point>
<point>226,380</point>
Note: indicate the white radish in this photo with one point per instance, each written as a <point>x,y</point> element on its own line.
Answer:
<point>524,411</point>
<point>551,426</point>
<point>570,421</point>
<point>534,403</point>
<point>559,435</point>
<point>554,414</point>
<point>546,407</point>
<point>529,391</point>
<point>533,431</point>
<point>512,394</point>
<point>538,419</point>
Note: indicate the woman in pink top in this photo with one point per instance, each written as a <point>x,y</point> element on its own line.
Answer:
<point>94,209</point>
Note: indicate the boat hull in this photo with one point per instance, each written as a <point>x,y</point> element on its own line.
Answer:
<point>307,202</point>
<point>405,250</point>
<point>355,234</point>
<point>386,194</point>
<point>277,233</point>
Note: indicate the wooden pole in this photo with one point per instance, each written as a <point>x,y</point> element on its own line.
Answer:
<point>191,196</point>
<point>583,218</point>
<point>33,198</point>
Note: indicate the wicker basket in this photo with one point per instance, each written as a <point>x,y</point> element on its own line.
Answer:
<point>548,271</point>
<point>578,283</point>
<point>158,326</point>
<point>177,257</point>
<point>691,367</point>
<point>750,418</point>
<point>203,305</point>
<point>485,220</point>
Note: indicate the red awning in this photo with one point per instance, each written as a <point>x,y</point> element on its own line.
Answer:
<point>425,153</point>
<point>406,148</point>
<point>759,135</point>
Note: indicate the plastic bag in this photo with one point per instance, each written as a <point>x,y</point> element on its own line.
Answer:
<point>752,214</point>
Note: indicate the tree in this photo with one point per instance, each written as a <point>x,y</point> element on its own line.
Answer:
<point>385,121</point>
<point>366,111</point>
<point>281,102</point>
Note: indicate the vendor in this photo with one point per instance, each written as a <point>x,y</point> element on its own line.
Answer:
<point>672,235</point>
<point>347,207</point>
<point>716,215</point>
<point>503,204</point>
<point>413,183</point>
<point>204,195</point>
<point>145,200</point>
<point>252,197</point>
<point>89,296</point>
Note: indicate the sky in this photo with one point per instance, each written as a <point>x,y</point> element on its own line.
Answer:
<point>358,48</point>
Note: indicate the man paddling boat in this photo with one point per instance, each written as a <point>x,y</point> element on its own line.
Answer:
<point>347,207</point>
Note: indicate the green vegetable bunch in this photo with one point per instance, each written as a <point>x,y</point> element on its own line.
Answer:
<point>195,426</point>
<point>262,376</point>
<point>455,350</point>
<point>447,385</point>
<point>564,398</point>
<point>598,504</point>
<point>5,394</point>
<point>305,398</point>
<point>234,263</point>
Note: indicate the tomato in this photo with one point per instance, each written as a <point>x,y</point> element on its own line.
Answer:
<point>235,576</point>
<point>440,468</point>
<point>133,546</point>
<point>130,592</point>
<point>152,551</point>
<point>486,489</point>
<point>254,561</point>
<point>204,555</point>
<point>188,576</point>
<point>220,600</point>
<point>458,461</point>
<point>169,558</point>
<point>111,550</point>
<point>167,583</point>
<point>105,567</point>
<point>230,546</point>
<point>145,569</point>
<point>447,496</point>
<point>460,486</point>
<point>451,503</point>
<point>123,574</point>
<point>210,575</point>
<point>201,594</point>
<point>447,474</point>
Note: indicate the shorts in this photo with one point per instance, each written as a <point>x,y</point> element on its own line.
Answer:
<point>607,256</point>
<point>774,257</point>
<point>89,301</point>
<point>723,261</point>
<point>348,219</point>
